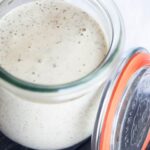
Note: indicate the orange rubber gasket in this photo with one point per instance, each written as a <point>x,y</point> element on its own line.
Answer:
<point>139,60</point>
<point>147,141</point>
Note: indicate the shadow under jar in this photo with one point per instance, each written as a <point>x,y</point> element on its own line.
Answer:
<point>44,116</point>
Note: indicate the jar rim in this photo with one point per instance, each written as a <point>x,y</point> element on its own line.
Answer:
<point>9,78</point>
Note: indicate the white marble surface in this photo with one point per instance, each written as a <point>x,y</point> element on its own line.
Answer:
<point>136,15</point>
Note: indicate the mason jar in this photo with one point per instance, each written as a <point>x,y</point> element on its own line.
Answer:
<point>61,116</point>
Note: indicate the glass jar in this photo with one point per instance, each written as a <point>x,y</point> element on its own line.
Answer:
<point>58,117</point>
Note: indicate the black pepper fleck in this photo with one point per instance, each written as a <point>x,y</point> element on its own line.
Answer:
<point>83,29</point>
<point>64,11</point>
<point>19,60</point>
<point>33,81</point>
<point>39,60</point>
<point>42,10</point>
<point>54,65</point>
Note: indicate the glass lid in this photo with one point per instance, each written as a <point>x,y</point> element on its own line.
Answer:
<point>123,119</point>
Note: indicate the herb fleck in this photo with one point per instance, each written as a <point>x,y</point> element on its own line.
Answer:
<point>58,42</point>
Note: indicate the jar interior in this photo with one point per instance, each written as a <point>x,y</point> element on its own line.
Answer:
<point>95,10</point>
<point>91,7</point>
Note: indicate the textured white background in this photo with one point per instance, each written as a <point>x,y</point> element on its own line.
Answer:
<point>136,15</point>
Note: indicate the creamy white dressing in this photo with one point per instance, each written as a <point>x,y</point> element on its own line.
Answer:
<point>50,42</point>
